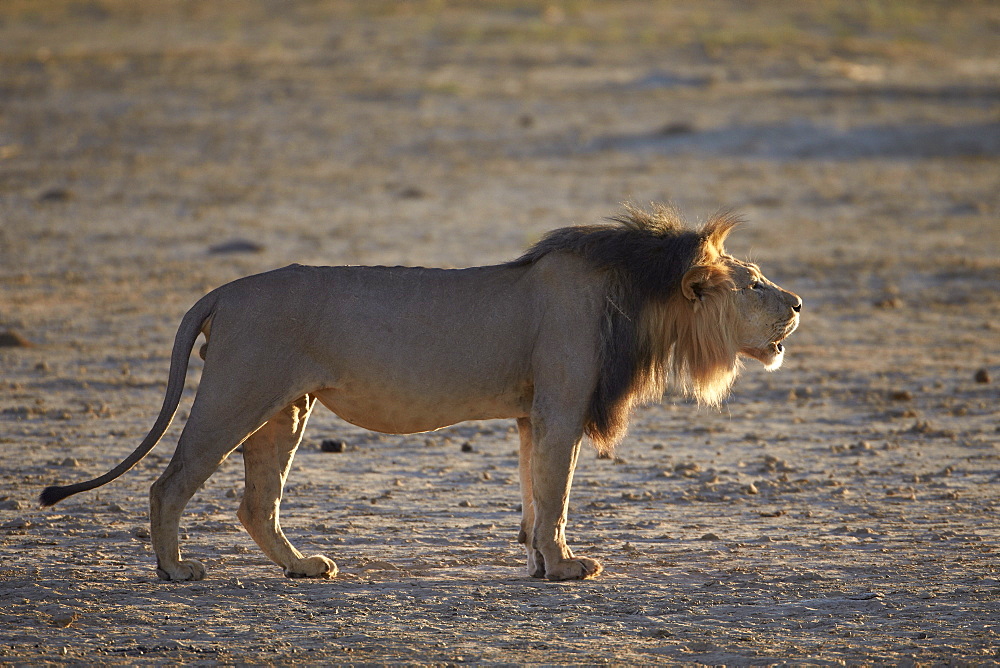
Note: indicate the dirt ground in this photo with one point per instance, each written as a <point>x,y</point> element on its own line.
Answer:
<point>844,510</point>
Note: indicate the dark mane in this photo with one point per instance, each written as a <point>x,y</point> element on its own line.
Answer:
<point>650,251</point>
<point>644,256</point>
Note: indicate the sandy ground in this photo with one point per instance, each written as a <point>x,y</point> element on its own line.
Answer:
<point>842,510</point>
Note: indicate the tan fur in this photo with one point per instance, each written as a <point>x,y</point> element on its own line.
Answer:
<point>568,339</point>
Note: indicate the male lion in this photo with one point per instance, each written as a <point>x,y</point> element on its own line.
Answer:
<point>566,339</point>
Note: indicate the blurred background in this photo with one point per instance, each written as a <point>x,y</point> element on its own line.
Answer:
<point>151,151</point>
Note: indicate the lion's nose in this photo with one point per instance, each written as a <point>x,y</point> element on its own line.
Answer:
<point>794,301</point>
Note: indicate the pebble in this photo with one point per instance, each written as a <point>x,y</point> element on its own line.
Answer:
<point>982,376</point>
<point>236,246</point>
<point>12,339</point>
<point>55,195</point>
<point>380,565</point>
<point>889,302</point>
<point>688,469</point>
<point>412,192</point>
<point>332,445</point>
<point>62,620</point>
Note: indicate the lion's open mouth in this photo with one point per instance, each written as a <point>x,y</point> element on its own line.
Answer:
<point>770,355</point>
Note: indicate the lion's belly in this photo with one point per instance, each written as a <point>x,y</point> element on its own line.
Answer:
<point>392,412</point>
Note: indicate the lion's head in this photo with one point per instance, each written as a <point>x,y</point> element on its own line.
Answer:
<point>678,310</point>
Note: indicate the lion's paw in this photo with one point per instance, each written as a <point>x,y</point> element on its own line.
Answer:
<point>184,570</point>
<point>536,564</point>
<point>577,568</point>
<point>316,566</point>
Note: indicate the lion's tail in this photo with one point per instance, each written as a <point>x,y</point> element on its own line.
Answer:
<point>187,334</point>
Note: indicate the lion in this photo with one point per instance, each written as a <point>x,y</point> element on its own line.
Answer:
<point>567,340</point>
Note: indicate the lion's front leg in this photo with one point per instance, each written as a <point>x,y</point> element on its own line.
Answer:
<point>553,458</point>
<point>267,457</point>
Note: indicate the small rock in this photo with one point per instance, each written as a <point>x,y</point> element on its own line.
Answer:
<point>11,504</point>
<point>864,596</point>
<point>55,195</point>
<point>710,536</point>
<point>71,462</point>
<point>751,489</point>
<point>901,395</point>
<point>982,376</point>
<point>688,469</point>
<point>889,302</point>
<point>332,445</point>
<point>465,504</point>
<point>12,339</point>
<point>412,192</point>
<point>676,128</point>
<point>236,246</point>
<point>62,620</point>
<point>467,447</point>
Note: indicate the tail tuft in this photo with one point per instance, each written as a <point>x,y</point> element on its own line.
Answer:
<point>53,495</point>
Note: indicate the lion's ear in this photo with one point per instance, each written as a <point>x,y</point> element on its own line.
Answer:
<point>695,283</point>
<point>704,280</point>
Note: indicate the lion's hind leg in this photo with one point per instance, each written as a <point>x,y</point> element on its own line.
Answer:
<point>226,411</point>
<point>267,457</point>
